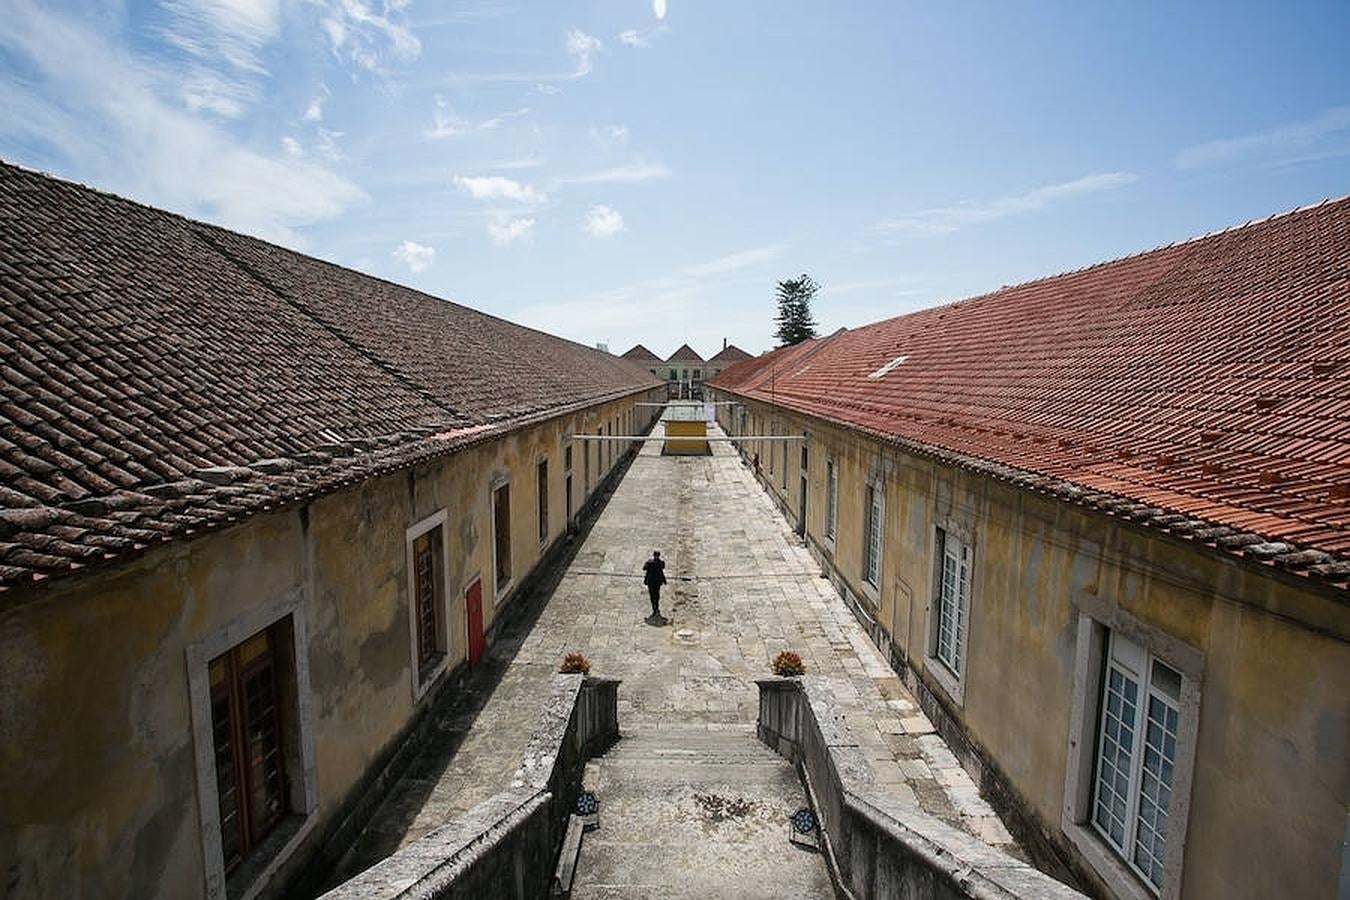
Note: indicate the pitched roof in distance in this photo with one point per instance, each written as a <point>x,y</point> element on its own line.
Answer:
<point>163,377</point>
<point>1202,388</point>
<point>685,354</point>
<point>641,355</point>
<point>729,354</point>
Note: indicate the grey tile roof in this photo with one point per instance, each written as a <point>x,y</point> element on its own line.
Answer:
<point>160,376</point>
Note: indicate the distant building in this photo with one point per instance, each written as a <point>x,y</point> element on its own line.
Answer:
<point>729,354</point>
<point>1099,522</point>
<point>647,359</point>
<point>685,371</point>
<point>257,512</point>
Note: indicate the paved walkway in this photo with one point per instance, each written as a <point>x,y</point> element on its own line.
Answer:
<point>742,589</point>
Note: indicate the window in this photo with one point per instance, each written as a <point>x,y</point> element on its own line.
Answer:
<point>247,744</point>
<point>425,543</point>
<point>953,601</point>
<point>1131,753</point>
<point>567,458</point>
<point>249,698</point>
<point>872,519</point>
<point>1140,713</point>
<point>541,482</point>
<point>501,530</point>
<point>831,498</point>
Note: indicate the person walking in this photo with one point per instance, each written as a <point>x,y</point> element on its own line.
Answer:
<point>653,576</point>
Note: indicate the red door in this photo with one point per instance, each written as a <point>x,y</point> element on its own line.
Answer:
<point>473,605</point>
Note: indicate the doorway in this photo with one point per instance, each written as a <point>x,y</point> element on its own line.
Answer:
<point>473,608</point>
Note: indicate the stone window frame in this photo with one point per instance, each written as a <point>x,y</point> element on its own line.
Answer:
<point>831,500</point>
<point>1097,618</point>
<point>953,684</point>
<point>499,591</point>
<point>542,510</point>
<point>873,590</point>
<point>298,719</point>
<point>422,681</point>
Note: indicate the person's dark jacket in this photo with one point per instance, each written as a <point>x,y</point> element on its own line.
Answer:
<point>654,572</point>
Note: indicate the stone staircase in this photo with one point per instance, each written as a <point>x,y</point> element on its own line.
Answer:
<point>690,812</point>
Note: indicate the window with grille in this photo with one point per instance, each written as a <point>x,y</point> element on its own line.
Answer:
<point>246,731</point>
<point>501,528</point>
<point>1136,756</point>
<point>831,498</point>
<point>953,600</point>
<point>541,482</point>
<point>872,519</point>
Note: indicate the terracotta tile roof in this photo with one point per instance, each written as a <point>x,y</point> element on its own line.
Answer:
<point>729,354</point>
<point>642,356</point>
<point>1203,387</point>
<point>685,354</point>
<point>160,377</point>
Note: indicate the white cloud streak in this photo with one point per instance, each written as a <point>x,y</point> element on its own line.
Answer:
<point>1295,138</point>
<point>734,261</point>
<point>366,38</point>
<point>130,140</point>
<point>659,9</point>
<point>446,123</point>
<point>949,219</point>
<point>632,173</point>
<point>417,257</point>
<point>314,111</point>
<point>603,222</point>
<point>497,187</point>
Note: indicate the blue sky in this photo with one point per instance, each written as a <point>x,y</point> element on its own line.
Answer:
<point>646,171</point>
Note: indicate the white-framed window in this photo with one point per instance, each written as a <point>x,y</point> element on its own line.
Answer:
<point>1131,751</point>
<point>874,515</point>
<point>1136,756</point>
<point>831,499</point>
<point>253,745</point>
<point>951,587</point>
<point>951,607</point>
<point>425,545</point>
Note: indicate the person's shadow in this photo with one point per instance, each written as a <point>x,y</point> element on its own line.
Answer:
<point>656,621</point>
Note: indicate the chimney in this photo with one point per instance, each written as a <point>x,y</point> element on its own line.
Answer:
<point>724,343</point>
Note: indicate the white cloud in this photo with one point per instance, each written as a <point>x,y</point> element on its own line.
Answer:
<point>949,219</point>
<point>582,48</point>
<point>361,35</point>
<point>230,30</point>
<point>314,111</point>
<point>417,257</point>
<point>328,144</point>
<point>634,38</point>
<point>509,231</point>
<point>1292,137</point>
<point>733,261</point>
<point>548,90</point>
<point>603,222</point>
<point>131,140</point>
<point>497,187</point>
<point>609,137</point>
<point>292,147</point>
<point>632,173</point>
<point>659,8</point>
<point>446,123</point>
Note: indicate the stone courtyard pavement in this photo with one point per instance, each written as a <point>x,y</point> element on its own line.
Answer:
<point>691,803</point>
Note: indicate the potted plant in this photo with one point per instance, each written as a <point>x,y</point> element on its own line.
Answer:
<point>575,664</point>
<point>788,664</point>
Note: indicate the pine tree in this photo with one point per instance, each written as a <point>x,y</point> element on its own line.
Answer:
<point>794,310</point>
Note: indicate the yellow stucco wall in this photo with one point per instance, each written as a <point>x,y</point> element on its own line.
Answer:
<point>97,770</point>
<point>1268,805</point>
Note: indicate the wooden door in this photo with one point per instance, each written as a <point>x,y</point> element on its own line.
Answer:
<point>473,607</point>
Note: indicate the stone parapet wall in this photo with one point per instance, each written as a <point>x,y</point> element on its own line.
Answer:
<point>506,846</point>
<point>879,847</point>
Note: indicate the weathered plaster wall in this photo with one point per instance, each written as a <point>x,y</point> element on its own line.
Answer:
<point>1267,814</point>
<point>98,785</point>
